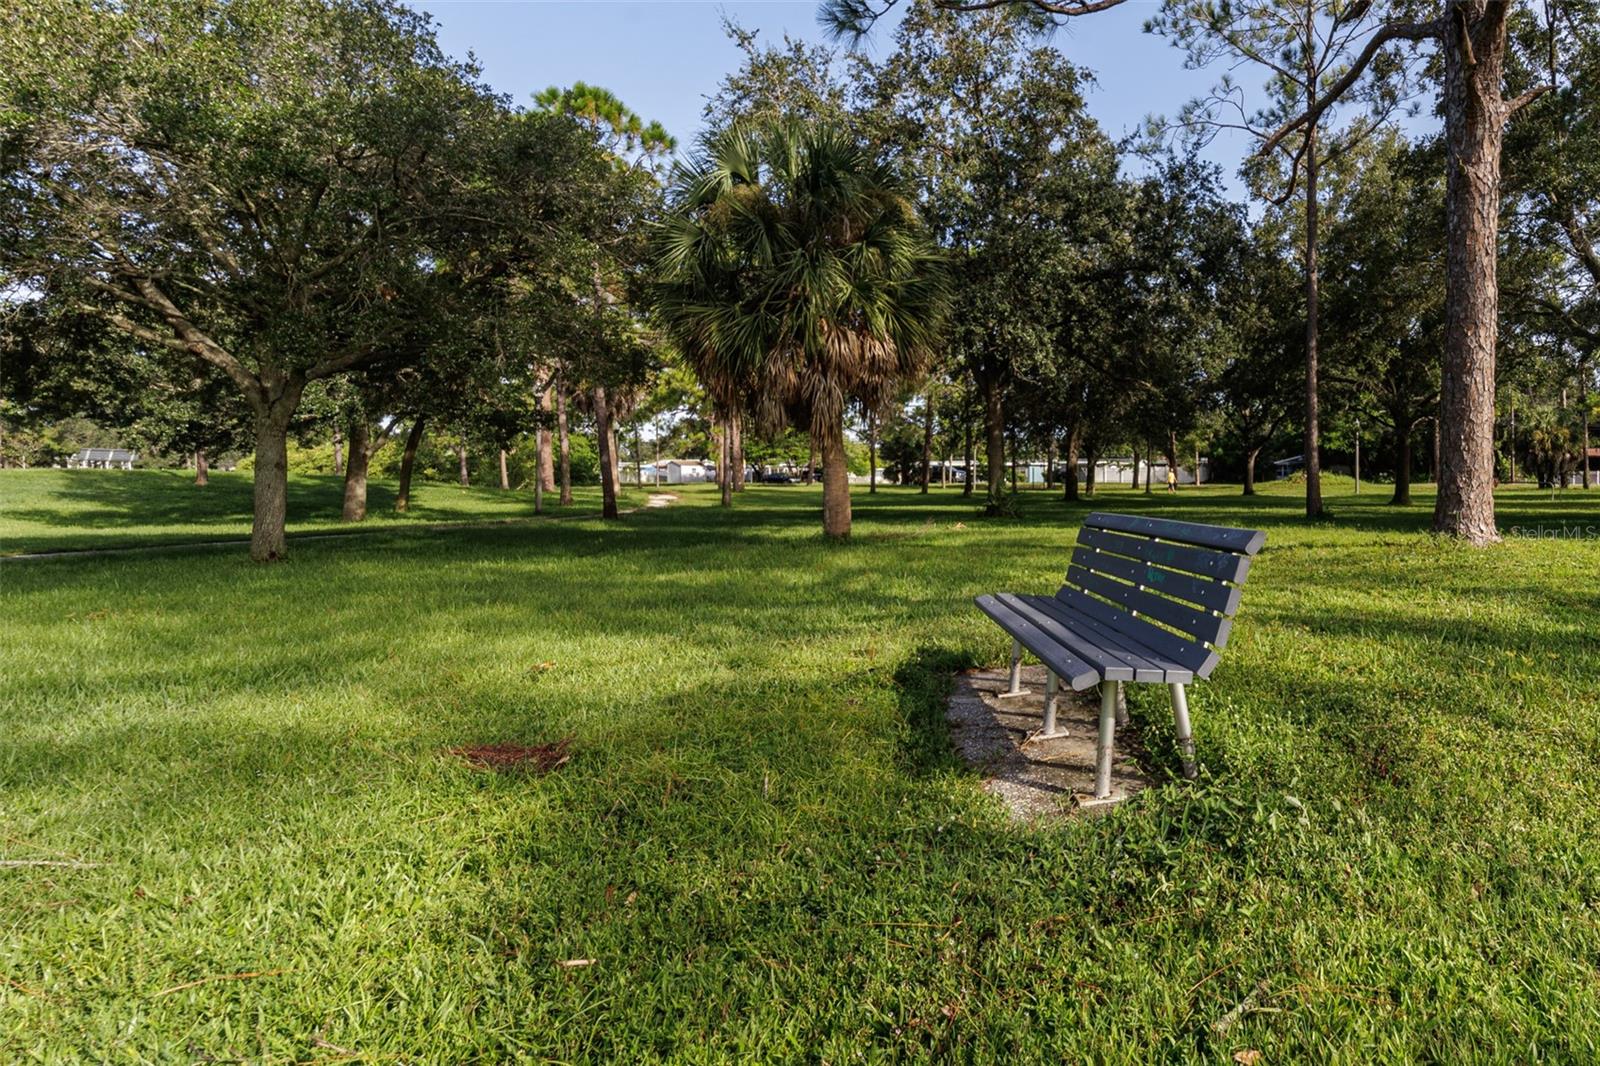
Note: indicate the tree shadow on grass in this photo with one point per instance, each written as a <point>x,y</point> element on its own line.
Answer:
<point>923,682</point>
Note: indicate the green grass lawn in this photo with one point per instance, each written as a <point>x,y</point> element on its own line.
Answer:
<point>762,840</point>
<point>65,510</point>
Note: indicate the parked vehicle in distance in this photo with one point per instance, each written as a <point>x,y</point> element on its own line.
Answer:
<point>776,478</point>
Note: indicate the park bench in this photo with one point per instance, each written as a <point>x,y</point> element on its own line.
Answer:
<point>1147,600</point>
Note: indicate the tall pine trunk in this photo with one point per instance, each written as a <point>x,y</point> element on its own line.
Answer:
<point>1313,437</point>
<point>736,450</point>
<point>202,470</point>
<point>408,463</point>
<point>608,469</point>
<point>461,458</point>
<point>1475,116</point>
<point>355,473</point>
<point>505,475</point>
<point>835,482</point>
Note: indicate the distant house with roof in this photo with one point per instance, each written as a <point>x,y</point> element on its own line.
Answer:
<point>687,471</point>
<point>102,459</point>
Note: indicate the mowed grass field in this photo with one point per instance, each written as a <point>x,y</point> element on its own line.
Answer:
<point>73,510</point>
<point>762,849</point>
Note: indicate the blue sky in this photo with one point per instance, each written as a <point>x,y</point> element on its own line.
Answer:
<point>664,57</point>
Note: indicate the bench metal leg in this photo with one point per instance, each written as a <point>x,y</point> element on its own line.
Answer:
<point>1109,692</point>
<point>1180,720</point>
<point>1122,706</point>
<point>1052,686</point>
<point>1014,688</point>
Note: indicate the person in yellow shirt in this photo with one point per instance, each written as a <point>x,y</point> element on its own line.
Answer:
<point>1172,480</point>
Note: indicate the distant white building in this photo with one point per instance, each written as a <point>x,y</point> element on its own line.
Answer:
<point>687,471</point>
<point>102,459</point>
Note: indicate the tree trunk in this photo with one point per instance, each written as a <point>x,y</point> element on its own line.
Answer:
<point>1250,469</point>
<point>338,450</point>
<point>1583,413</point>
<point>1092,460</point>
<point>1402,466</point>
<point>505,475</point>
<point>724,464</point>
<point>565,446</point>
<point>1475,116</point>
<point>927,442</point>
<point>608,469</point>
<point>616,462</point>
<point>202,469</point>
<point>1050,464</point>
<point>1172,458</point>
<point>1433,460</point>
<point>1135,469</point>
<point>967,459</point>
<point>1149,475</point>
<point>274,409</point>
<point>1069,480</point>
<point>461,458</point>
<point>408,463</point>
<point>835,483</point>
<point>736,451</point>
<point>994,429</point>
<point>872,451</point>
<point>1313,438</point>
<point>547,465</point>
<point>355,473</point>
<point>811,460</point>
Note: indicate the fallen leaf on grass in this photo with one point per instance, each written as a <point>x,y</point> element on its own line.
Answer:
<point>20,987</point>
<point>221,977</point>
<point>538,758</point>
<point>1247,1057</point>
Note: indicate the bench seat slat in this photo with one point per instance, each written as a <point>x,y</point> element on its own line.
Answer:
<point>1114,662</point>
<point>1198,624</point>
<point>1218,538</point>
<point>1074,671</point>
<point>1147,665</point>
<point>1212,595</point>
<point>1220,565</point>
<point>1196,657</point>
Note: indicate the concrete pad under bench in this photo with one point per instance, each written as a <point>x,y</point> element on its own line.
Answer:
<point>1032,776</point>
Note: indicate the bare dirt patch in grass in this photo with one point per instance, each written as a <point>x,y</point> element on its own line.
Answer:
<point>514,758</point>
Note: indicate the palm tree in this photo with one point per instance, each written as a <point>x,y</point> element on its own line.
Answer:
<point>796,277</point>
